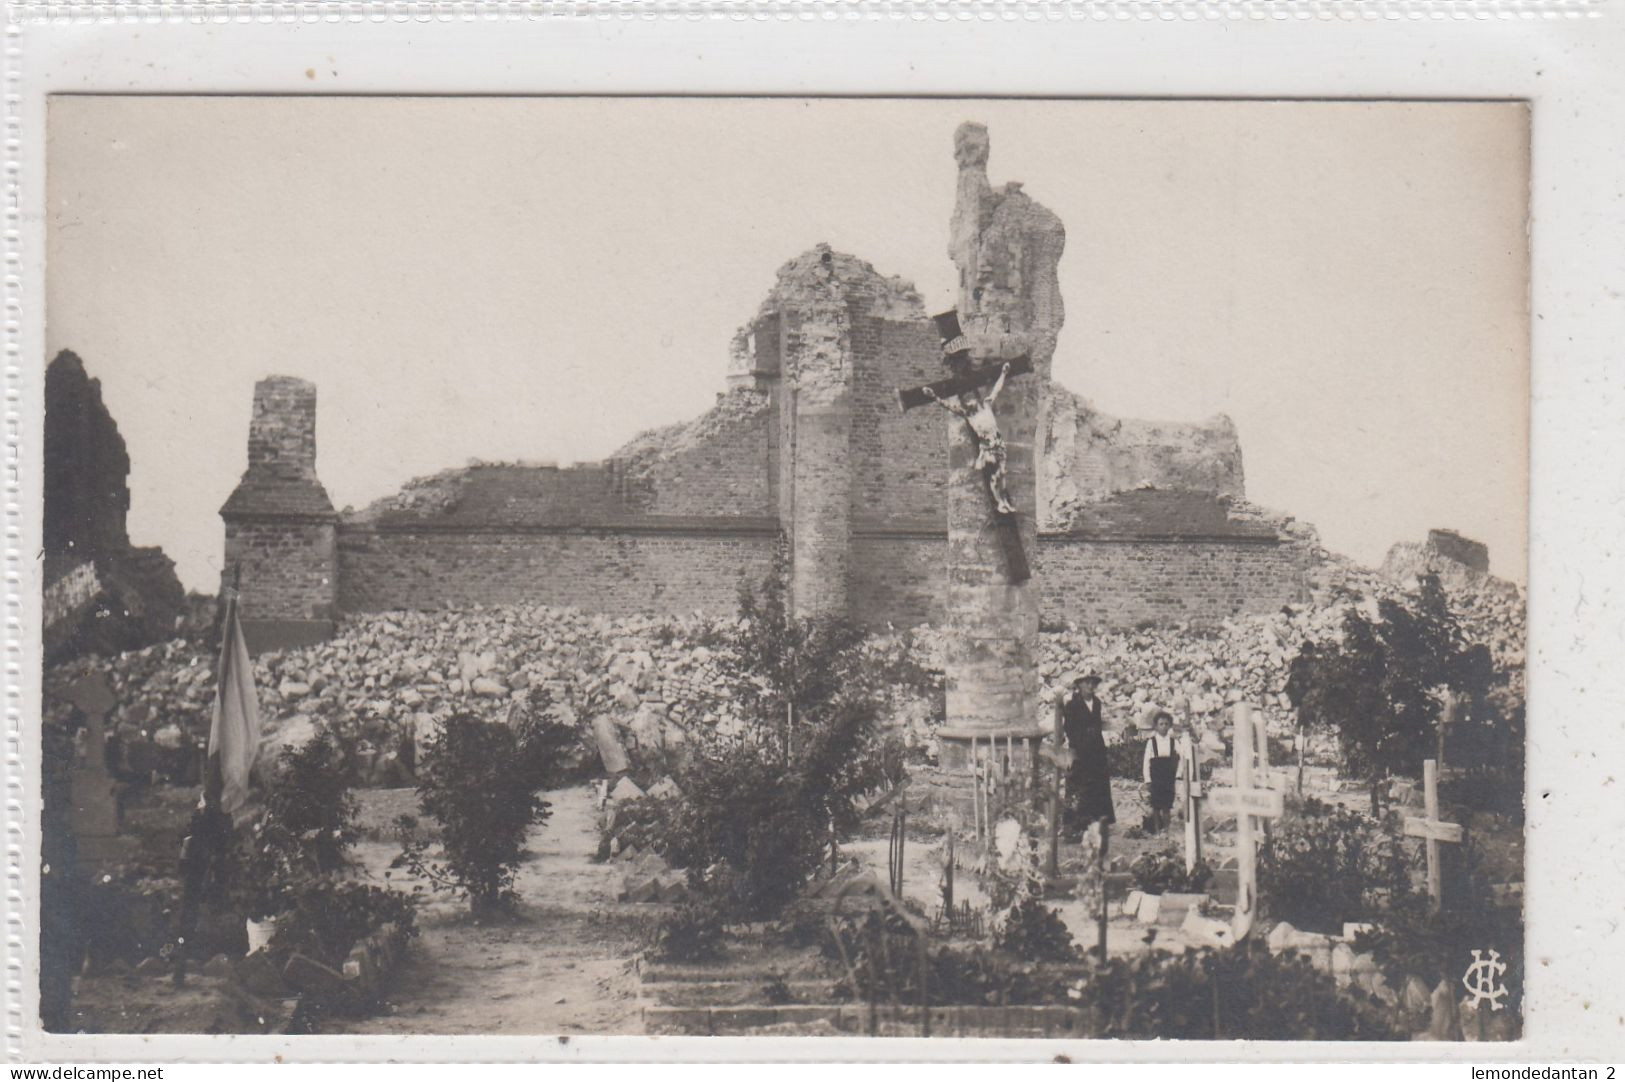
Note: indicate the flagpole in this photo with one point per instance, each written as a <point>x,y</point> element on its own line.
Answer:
<point>213,775</point>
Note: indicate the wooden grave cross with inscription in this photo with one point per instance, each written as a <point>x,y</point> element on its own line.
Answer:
<point>1433,829</point>
<point>1246,803</point>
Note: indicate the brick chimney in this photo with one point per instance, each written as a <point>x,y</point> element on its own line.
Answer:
<point>281,529</point>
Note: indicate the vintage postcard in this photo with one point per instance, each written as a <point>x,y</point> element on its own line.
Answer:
<point>785,567</point>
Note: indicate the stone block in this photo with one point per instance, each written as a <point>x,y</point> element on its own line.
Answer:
<point>1174,908</point>
<point>1150,906</point>
<point>1203,931</point>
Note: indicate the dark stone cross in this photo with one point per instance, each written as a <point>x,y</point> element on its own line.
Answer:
<point>969,379</point>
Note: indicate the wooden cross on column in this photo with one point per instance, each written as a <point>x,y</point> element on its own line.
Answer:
<point>967,378</point>
<point>1433,829</point>
<point>1245,803</point>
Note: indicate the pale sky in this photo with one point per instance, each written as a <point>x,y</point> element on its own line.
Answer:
<point>542,278</point>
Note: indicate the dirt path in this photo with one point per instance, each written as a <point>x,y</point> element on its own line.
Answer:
<point>561,965</point>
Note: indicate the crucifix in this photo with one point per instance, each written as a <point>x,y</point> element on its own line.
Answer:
<point>1245,803</point>
<point>968,396</point>
<point>1432,828</point>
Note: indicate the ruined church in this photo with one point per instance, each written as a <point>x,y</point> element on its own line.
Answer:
<point>805,452</point>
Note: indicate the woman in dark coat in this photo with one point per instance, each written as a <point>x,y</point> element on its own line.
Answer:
<point>1088,781</point>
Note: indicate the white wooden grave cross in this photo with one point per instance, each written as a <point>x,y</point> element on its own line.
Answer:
<point>1432,828</point>
<point>1245,802</point>
<point>1193,807</point>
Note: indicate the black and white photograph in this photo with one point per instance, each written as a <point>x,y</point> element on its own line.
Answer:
<point>784,567</point>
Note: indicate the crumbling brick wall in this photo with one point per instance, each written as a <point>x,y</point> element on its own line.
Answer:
<point>807,439</point>
<point>289,567</point>
<point>717,464</point>
<point>616,571</point>
<point>1123,584</point>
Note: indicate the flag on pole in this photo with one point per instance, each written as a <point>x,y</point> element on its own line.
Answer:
<point>234,734</point>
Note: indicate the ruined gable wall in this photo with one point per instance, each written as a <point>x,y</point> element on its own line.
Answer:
<point>717,464</point>
<point>1087,455</point>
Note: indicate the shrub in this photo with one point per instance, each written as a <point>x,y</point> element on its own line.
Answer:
<point>1243,993</point>
<point>1035,932</point>
<point>328,920</point>
<point>480,787</point>
<point>1331,865</point>
<point>1163,872</point>
<point>555,751</point>
<point>756,818</point>
<point>767,800</point>
<point>304,832</point>
<point>1411,939</point>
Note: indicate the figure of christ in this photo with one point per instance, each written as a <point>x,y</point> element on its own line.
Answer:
<point>976,410</point>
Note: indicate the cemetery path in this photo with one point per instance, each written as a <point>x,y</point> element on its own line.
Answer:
<point>560,966</point>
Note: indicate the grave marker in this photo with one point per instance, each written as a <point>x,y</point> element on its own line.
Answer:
<point>1193,808</point>
<point>1433,829</point>
<point>93,812</point>
<point>1246,802</point>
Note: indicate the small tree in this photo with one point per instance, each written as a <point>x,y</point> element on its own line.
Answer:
<point>482,788</point>
<point>760,808</point>
<point>1378,686</point>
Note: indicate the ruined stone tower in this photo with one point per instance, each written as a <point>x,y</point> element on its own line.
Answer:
<point>281,529</point>
<point>1007,248</point>
<point>817,358</point>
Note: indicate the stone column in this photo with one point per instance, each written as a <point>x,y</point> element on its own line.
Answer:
<point>1007,248</point>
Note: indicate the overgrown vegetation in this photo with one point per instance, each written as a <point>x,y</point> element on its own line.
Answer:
<point>1033,931</point>
<point>302,836</point>
<point>481,783</point>
<point>765,801</point>
<point>1380,686</point>
<point>1241,993</point>
<point>1163,872</point>
<point>1328,865</point>
<point>1412,939</point>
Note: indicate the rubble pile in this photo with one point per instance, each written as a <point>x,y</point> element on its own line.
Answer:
<point>387,681</point>
<point>1247,657</point>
